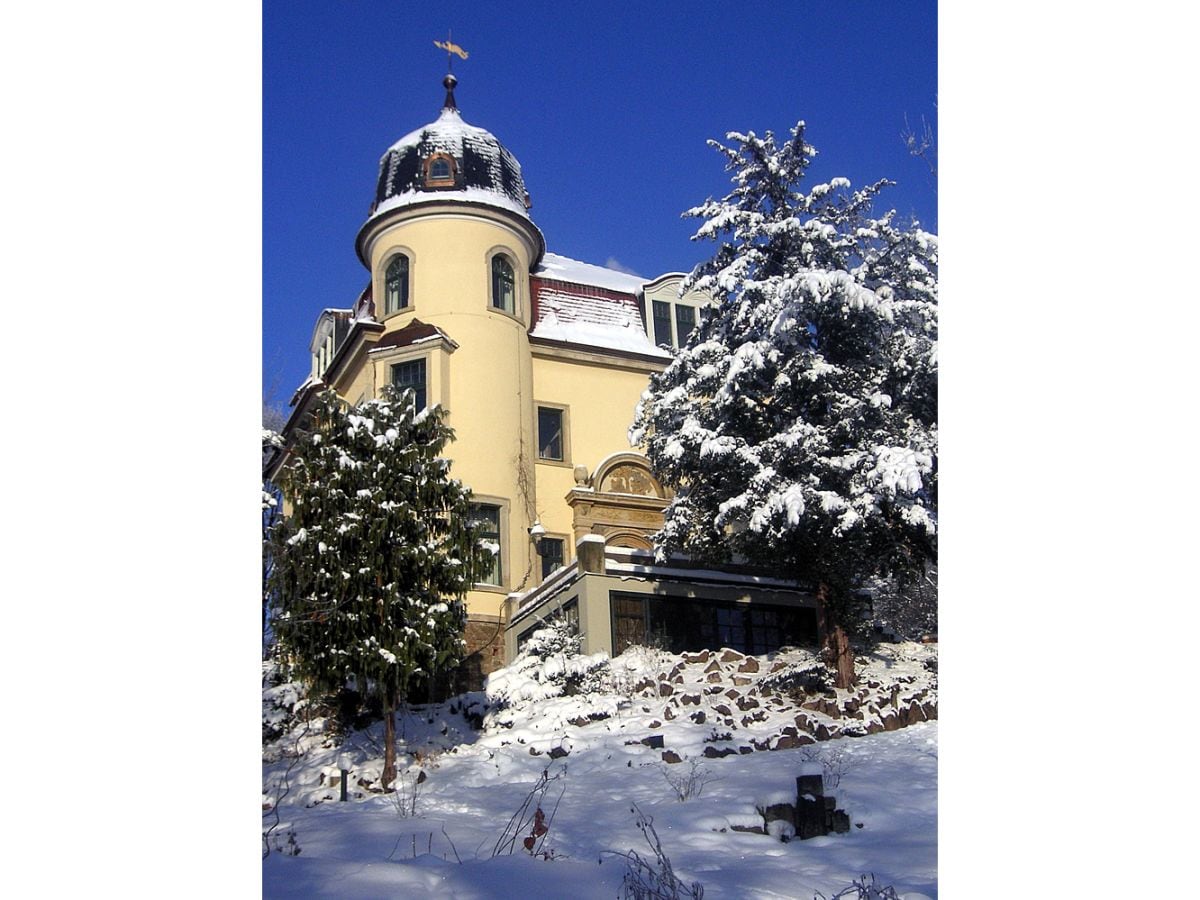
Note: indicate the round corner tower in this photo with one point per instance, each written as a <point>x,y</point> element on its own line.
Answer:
<point>449,245</point>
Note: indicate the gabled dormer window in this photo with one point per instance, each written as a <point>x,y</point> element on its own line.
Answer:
<point>439,170</point>
<point>395,285</point>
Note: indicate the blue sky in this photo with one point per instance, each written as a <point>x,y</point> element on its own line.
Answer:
<point>606,106</point>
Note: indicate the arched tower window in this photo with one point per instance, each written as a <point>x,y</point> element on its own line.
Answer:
<point>396,285</point>
<point>503,284</point>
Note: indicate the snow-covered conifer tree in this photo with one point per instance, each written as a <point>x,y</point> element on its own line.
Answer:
<point>376,553</point>
<point>799,424</point>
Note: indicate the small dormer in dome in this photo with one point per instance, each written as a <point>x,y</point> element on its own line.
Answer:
<point>448,159</point>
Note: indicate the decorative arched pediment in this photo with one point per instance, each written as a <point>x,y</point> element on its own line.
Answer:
<point>627,473</point>
<point>636,540</point>
<point>622,501</point>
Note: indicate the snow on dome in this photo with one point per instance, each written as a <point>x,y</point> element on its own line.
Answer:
<point>477,168</point>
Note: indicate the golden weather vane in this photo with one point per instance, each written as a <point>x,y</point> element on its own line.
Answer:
<point>451,49</point>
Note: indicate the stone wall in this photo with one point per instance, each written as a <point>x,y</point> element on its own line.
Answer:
<point>484,654</point>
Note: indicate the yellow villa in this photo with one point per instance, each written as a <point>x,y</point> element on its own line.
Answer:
<point>540,361</point>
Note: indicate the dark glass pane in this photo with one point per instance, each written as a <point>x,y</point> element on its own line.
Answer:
<point>552,555</point>
<point>440,169</point>
<point>629,622</point>
<point>411,375</point>
<point>502,284</point>
<point>488,519</point>
<point>550,443</point>
<point>396,285</point>
<point>662,323</point>
<point>685,321</point>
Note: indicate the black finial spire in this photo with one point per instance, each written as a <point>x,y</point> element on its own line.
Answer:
<point>452,50</point>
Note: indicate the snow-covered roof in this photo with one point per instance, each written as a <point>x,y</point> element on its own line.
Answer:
<point>561,268</point>
<point>484,171</point>
<point>582,305</point>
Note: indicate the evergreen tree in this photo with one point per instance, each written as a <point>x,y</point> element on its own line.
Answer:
<point>799,424</point>
<point>376,553</point>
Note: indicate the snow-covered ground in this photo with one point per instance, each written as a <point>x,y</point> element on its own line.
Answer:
<point>439,837</point>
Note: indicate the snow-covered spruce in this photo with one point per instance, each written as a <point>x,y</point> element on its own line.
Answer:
<point>798,426</point>
<point>379,548</point>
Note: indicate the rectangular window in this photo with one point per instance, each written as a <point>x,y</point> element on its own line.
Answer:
<point>551,550</point>
<point>662,323</point>
<point>488,518</point>
<point>685,321</point>
<point>411,375</point>
<point>629,622</point>
<point>550,433</point>
<point>693,623</point>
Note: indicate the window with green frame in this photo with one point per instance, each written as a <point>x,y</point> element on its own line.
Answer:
<point>503,284</point>
<point>685,321</point>
<point>411,375</point>
<point>662,324</point>
<point>395,285</point>
<point>488,518</point>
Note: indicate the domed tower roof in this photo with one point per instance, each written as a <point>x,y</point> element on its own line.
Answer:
<point>449,159</point>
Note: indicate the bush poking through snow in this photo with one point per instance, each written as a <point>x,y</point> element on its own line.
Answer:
<point>647,879</point>
<point>690,783</point>
<point>833,760</point>
<point>859,889</point>
<point>406,789</point>
<point>530,817</point>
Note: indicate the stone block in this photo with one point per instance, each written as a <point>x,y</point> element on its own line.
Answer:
<point>810,784</point>
<point>749,664</point>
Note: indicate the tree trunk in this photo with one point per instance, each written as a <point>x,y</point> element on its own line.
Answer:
<point>389,740</point>
<point>834,642</point>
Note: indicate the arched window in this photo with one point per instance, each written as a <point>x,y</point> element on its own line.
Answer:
<point>395,288</point>
<point>503,284</point>
<point>440,170</point>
